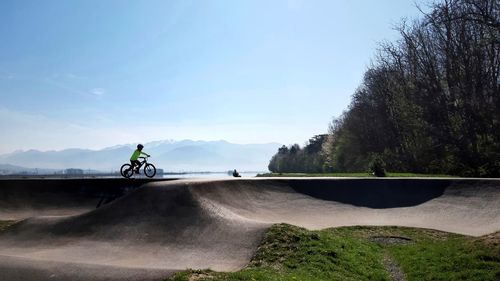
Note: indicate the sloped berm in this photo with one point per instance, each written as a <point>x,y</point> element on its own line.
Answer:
<point>163,227</point>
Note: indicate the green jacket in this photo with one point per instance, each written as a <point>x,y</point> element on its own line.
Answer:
<point>136,155</point>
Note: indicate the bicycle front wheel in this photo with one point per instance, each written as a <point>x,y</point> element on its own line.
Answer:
<point>149,170</point>
<point>126,171</point>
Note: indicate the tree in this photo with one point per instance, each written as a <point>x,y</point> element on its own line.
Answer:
<point>430,102</point>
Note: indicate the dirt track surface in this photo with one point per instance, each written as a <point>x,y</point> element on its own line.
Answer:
<point>163,227</point>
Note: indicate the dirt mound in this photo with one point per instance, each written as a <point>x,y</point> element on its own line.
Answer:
<point>24,198</point>
<point>158,227</point>
<point>463,206</point>
<point>167,226</point>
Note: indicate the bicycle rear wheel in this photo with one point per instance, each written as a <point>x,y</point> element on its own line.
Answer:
<point>149,170</point>
<point>126,171</point>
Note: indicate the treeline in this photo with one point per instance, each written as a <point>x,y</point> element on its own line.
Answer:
<point>295,159</point>
<point>430,102</point>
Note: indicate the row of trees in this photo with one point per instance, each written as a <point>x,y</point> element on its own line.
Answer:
<point>295,159</point>
<point>430,103</point>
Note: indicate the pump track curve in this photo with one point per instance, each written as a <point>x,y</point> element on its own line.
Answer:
<point>148,230</point>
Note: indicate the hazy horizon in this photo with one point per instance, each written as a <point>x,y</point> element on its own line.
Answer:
<point>173,156</point>
<point>149,142</point>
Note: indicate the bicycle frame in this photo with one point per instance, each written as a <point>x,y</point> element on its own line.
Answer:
<point>144,161</point>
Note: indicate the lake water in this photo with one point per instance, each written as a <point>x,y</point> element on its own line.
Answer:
<point>211,175</point>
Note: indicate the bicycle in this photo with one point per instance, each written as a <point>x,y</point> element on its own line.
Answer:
<point>149,169</point>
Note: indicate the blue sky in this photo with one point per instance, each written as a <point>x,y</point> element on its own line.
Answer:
<point>93,74</point>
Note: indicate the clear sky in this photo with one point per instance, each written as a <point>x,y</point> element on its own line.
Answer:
<point>92,74</point>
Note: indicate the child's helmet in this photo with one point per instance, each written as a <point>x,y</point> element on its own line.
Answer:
<point>140,146</point>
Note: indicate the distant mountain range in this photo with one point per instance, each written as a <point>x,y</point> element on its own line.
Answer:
<point>172,156</point>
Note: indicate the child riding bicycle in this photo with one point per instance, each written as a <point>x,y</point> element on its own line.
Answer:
<point>133,159</point>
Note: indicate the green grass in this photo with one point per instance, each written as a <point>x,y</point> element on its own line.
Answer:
<point>315,175</point>
<point>349,253</point>
<point>454,258</point>
<point>363,175</point>
<point>390,174</point>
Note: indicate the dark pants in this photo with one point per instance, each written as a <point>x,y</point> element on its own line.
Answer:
<point>135,163</point>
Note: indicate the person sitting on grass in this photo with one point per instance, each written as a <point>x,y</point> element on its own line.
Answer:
<point>133,159</point>
<point>236,174</point>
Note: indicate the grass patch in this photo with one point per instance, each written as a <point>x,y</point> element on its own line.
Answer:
<point>362,175</point>
<point>292,253</point>
<point>360,253</point>
<point>315,175</point>
<point>454,258</point>
<point>404,175</point>
<point>5,224</point>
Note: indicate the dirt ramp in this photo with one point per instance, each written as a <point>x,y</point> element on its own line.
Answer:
<point>469,207</point>
<point>13,268</point>
<point>158,227</point>
<point>152,214</point>
<point>24,198</point>
<point>163,227</point>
